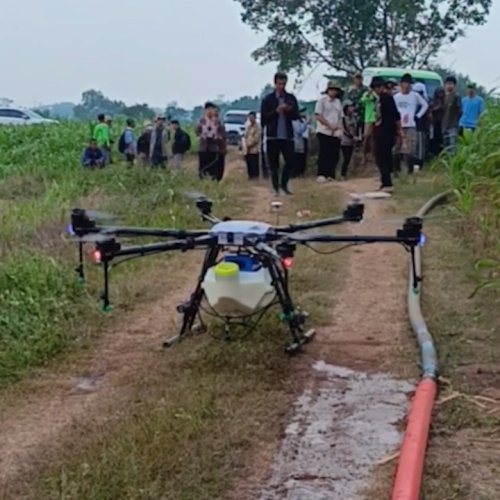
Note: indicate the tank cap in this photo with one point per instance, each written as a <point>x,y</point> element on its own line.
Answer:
<point>226,270</point>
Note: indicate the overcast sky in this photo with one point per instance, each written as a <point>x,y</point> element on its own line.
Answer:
<point>157,51</point>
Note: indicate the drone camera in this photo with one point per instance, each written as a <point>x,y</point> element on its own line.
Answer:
<point>81,224</point>
<point>354,212</point>
<point>204,205</point>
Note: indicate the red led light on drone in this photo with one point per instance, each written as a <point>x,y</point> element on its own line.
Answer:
<point>96,256</point>
<point>288,262</point>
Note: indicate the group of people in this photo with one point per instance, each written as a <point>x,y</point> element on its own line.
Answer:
<point>149,149</point>
<point>284,132</point>
<point>407,125</point>
<point>396,121</point>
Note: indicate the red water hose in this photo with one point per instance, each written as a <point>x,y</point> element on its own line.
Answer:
<point>410,469</point>
<point>412,455</point>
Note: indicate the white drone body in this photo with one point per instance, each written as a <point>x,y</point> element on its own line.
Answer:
<point>238,285</point>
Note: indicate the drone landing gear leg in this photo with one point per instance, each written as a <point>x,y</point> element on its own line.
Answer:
<point>80,270</point>
<point>289,314</point>
<point>191,309</point>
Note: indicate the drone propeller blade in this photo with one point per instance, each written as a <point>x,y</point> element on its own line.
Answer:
<point>195,195</point>
<point>400,221</point>
<point>94,238</point>
<point>98,215</point>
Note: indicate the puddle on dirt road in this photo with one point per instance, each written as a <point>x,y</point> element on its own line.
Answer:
<point>344,423</point>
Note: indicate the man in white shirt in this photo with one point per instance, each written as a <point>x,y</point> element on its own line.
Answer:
<point>329,131</point>
<point>410,105</point>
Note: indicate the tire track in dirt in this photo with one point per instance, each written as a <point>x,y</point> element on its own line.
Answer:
<point>33,430</point>
<point>349,413</point>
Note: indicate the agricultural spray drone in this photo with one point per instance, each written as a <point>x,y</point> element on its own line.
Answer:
<point>245,270</point>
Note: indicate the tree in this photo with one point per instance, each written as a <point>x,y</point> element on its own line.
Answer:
<point>350,35</point>
<point>94,102</point>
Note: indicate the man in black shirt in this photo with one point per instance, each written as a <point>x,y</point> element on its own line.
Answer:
<point>277,112</point>
<point>386,130</point>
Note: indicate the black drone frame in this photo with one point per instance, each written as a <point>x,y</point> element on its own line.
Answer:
<point>270,249</point>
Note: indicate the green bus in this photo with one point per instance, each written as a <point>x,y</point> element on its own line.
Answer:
<point>430,79</point>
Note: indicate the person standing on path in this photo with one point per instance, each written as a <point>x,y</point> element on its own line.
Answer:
<point>350,123</point>
<point>330,129</point>
<point>411,105</point>
<point>472,109</point>
<point>144,144</point>
<point>386,129</point>
<point>354,95</point>
<point>102,138</point>
<point>181,144</point>
<point>277,112</point>
<point>452,111</point>
<point>437,110</point>
<point>221,159</point>
<point>127,144</point>
<point>158,144</point>
<point>252,146</point>
<point>302,129</point>
<point>368,100</point>
<point>210,132</point>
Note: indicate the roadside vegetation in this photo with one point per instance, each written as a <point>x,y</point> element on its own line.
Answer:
<point>460,304</point>
<point>42,308</point>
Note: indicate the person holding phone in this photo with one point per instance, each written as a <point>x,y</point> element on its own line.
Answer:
<point>278,111</point>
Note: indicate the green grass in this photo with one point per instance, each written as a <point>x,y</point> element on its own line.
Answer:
<point>40,182</point>
<point>195,423</point>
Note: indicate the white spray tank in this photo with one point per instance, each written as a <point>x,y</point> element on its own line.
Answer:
<point>238,286</point>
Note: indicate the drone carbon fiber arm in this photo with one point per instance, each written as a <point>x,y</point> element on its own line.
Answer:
<point>110,249</point>
<point>353,213</point>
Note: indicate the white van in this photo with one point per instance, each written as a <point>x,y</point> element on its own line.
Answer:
<point>235,122</point>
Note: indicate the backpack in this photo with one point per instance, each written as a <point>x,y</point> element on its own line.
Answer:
<point>122,145</point>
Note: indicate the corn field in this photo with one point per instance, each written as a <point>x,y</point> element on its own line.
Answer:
<point>42,308</point>
<point>474,175</point>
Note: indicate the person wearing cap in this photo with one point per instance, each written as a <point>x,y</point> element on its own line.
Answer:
<point>158,144</point>
<point>391,86</point>
<point>277,112</point>
<point>386,129</point>
<point>452,111</point>
<point>328,113</point>
<point>411,105</point>
<point>472,109</point>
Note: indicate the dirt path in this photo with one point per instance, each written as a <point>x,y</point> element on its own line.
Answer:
<point>51,414</point>
<point>347,417</point>
<point>368,329</point>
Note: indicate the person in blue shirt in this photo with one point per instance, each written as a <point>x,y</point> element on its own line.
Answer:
<point>93,157</point>
<point>472,109</point>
